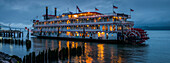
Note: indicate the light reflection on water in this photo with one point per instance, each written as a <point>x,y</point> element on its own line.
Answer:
<point>157,51</point>
<point>93,52</point>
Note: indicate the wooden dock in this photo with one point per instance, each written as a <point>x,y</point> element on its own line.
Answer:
<point>11,33</point>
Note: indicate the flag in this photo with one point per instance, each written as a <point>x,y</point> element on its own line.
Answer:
<point>96,9</point>
<point>37,20</point>
<point>115,7</point>
<point>131,10</point>
<point>34,21</point>
<point>25,27</point>
<point>78,9</point>
<point>114,12</point>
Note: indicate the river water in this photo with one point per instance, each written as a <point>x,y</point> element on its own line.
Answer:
<point>156,51</point>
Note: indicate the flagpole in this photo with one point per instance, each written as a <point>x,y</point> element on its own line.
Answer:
<point>113,9</point>
<point>76,8</point>
<point>130,12</point>
<point>68,10</point>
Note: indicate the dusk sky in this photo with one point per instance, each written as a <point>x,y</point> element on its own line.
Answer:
<point>146,12</point>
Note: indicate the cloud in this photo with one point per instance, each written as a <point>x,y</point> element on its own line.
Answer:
<point>16,25</point>
<point>146,11</point>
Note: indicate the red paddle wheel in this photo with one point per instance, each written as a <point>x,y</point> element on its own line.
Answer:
<point>138,33</point>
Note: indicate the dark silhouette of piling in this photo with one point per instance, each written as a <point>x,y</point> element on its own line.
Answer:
<point>48,56</point>
<point>28,44</point>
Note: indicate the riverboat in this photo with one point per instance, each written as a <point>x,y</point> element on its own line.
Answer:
<point>93,26</point>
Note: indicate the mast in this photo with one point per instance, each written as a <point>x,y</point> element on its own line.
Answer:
<point>46,13</point>
<point>55,11</point>
<point>113,9</point>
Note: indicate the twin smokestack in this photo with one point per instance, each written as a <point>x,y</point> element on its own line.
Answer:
<point>55,12</point>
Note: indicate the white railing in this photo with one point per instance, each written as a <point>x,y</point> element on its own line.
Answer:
<point>81,23</point>
<point>91,23</point>
<point>67,30</point>
<point>66,18</point>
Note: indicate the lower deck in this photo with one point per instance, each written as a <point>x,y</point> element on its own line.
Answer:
<point>96,35</point>
<point>84,39</point>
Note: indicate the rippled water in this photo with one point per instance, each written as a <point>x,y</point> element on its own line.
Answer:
<point>157,50</point>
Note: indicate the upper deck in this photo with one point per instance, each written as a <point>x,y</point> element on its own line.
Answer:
<point>83,15</point>
<point>84,18</point>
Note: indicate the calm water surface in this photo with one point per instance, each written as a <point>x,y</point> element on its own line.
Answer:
<point>157,50</point>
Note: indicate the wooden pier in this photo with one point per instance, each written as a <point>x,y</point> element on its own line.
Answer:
<point>14,37</point>
<point>11,33</point>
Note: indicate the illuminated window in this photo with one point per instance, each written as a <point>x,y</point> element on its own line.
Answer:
<point>45,23</point>
<point>87,25</point>
<point>88,35</point>
<point>80,14</point>
<point>63,15</point>
<point>68,33</point>
<point>77,20</point>
<point>98,34</point>
<point>57,16</point>
<point>106,28</point>
<point>68,21</point>
<point>107,19</point>
<point>77,34</point>
<point>103,28</point>
<point>98,25</point>
<point>68,28</point>
<point>111,29</point>
<point>99,19</point>
<point>120,17</point>
<point>75,16</point>
<point>60,21</point>
<point>69,16</point>
<point>80,34</point>
<point>103,33</point>
<point>87,19</point>
<point>94,27</point>
<point>94,20</point>
<point>51,22</point>
<point>119,27</point>
<point>107,34</point>
<point>116,18</point>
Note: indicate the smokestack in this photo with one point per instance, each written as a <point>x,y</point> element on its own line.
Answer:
<point>55,11</point>
<point>46,13</point>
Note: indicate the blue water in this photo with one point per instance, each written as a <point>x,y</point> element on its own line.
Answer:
<point>159,46</point>
<point>156,51</point>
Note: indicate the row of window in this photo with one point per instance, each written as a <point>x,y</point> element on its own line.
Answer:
<point>99,34</point>
<point>103,27</point>
<point>88,20</point>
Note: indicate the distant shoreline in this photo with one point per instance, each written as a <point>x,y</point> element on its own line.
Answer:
<point>156,29</point>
